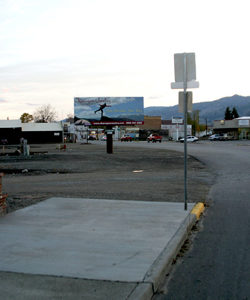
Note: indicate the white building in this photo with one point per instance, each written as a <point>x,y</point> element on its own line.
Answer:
<point>175,130</point>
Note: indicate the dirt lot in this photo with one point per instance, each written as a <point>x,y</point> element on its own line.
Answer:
<point>87,171</point>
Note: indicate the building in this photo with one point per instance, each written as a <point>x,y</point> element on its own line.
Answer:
<point>151,123</point>
<point>238,128</point>
<point>10,130</point>
<point>14,130</point>
<point>175,129</point>
<point>39,133</point>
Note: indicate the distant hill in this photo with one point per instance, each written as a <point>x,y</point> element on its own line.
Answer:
<point>212,110</point>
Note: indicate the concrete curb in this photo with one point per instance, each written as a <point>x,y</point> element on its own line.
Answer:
<point>163,263</point>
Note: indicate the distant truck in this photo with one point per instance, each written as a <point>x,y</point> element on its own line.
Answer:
<point>154,138</point>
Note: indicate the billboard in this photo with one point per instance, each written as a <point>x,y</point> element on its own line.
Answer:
<point>109,110</point>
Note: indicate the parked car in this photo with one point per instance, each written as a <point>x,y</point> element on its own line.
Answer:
<point>215,137</point>
<point>226,137</point>
<point>104,138</point>
<point>190,139</point>
<point>154,138</point>
<point>126,138</point>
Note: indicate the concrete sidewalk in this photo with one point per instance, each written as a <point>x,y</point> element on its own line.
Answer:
<point>72,248</point>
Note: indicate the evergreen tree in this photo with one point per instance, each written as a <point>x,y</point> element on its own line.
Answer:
<point>235,113</point>
<point>228,114</point>
<point>26,118</point>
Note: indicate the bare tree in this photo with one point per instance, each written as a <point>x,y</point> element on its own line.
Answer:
<point>45,114</point>
<point>70,118</point>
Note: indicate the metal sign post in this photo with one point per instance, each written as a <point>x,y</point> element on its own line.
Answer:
<point>185,76</point>
<point>185,129</point>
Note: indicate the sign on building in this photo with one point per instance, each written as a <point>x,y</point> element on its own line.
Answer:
<point>177,120</point>
<point>243,122</point>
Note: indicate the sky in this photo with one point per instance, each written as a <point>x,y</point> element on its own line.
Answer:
<point>54,50</point>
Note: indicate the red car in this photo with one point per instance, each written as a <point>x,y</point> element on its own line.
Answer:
<point>154,138</point>
<point>126,138</point>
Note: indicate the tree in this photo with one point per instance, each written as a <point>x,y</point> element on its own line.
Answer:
<point>228,114</point>
<point>26,118</point>
<point>45,114</point>
<point>194,120</point>
<point>70,118</point>
<point>235,113</point>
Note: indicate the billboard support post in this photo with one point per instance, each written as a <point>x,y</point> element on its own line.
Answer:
<point>109,141</point>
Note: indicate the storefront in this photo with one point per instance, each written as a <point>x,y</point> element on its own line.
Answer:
<point>238,128</point>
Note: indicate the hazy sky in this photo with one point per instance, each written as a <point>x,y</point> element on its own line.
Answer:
<point>54,50</point>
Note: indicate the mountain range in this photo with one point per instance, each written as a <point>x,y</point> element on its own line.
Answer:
<point>208,111</point>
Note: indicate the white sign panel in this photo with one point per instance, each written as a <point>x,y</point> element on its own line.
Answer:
<point>243,122</point>
<point>177,120</point>
<point>179,63</point>
<point>189,101</point>
<point>180,85</point>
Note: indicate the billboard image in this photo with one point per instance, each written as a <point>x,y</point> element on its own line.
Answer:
<point>109,110</point>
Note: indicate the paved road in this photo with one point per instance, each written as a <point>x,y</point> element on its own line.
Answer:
<point>217,266</point>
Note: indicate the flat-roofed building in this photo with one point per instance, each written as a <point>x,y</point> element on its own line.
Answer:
<point>239,128</point>
<point>151,123</point>
<point>37,133</point>
<point>10,130</point>
<point>14,130</point>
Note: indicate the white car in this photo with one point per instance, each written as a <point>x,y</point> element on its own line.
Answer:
<point>215,137</point>
<point>190,139</point>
